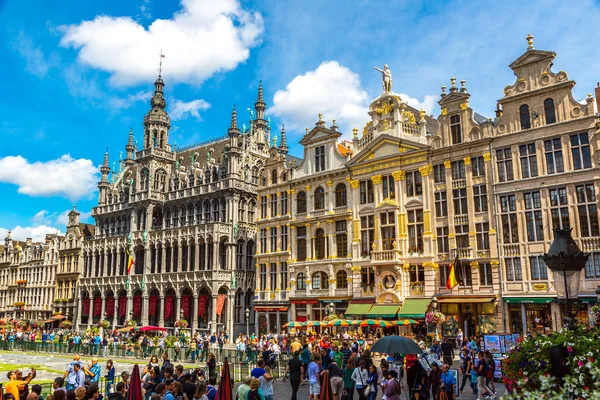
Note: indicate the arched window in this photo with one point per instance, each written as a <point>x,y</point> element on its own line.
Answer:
<point>301,281</point>
<point>301,203</point>
<point>207,176</point>
<point>319,198</point>
<point>340,195</point>
<point>525,117</point>
<point>319,244</point>
<point>223,210</point>
<point>341,279</point>
<point>549,111</point>
<point>320,280</point>
<point>215,176</point>
<point>224,172</point>
<point>274,176</point>
<point>283,177</point>
<point>144,179</point>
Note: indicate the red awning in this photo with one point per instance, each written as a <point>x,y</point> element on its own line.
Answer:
<point>258,308</point>
<point>304,301</point>
<point>58,317</point>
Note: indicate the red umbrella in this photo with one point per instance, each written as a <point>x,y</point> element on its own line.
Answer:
<point>151,328</point>
<point>135,385</point>
<point>225,391</point>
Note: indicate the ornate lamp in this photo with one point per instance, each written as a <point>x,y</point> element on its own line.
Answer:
<point>566,261</point>
<point>247,322</point>
<point>434,303</point>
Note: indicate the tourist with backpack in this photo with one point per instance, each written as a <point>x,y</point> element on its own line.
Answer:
<point>482,371</point>
<point>489,379</point>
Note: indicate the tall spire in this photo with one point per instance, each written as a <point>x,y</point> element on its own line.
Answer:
<point>260,93</point>
<point>233,128</point>
<point>105,168</point>
<point>283,147</point>
<point>129,148</point>
<point>260,105</point>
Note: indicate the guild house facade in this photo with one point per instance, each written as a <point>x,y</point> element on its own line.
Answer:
<point>187,217</point>
<point>369,228</point>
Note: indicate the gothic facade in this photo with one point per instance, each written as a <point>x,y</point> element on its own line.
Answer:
<point>187,217</point>
<point>370,228</point>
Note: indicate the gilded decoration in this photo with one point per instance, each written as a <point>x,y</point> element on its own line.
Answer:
<point>330,183</point>
<point>487,157</point>
<point>385,124</point>
<point>399,175</point>
<point>368,126</point>
<point>464,106</point>
<point>355,184</point>
<point>444,111</point>
<point>391,164</point>
<point>410,116</point>
<point>386,109</point>
<point>447,164</point>
<point>467,160</point>
<point>307,187</point>
<point>389,202</point>
<point>426,170</point>
<point>474,264</point>
<point>406,266</point>
<point>376,179</point>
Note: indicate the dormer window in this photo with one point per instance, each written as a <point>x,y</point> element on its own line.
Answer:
<point>549,111</point>
<point>320,158</point>
<point>274,176</point>
<point>455,129</point>
<point>525,117</point>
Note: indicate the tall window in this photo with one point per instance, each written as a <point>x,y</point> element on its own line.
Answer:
<point>525,117</point>
<point>319,244</point>
<point>263,240</point>
<point>320,281</point>
<point>388,229</point>
<point>414,184</point>
<point>417,274</point>
<point>301,203</point>
<point>455,129</point>
<point>284,203</point>
<point>320,158</point>
<point>273,272</point>
<point>587,210</point>
<point>442,240</point>
<point>251,212</point>
<point>480,198</point>
<point>367,275</point>
<point>263,206</point>
<point>559,208</point>
<point>284,237</point>
<point>592,266</point>
<point>444,274</point>
<point>528,160</point>
<point>441,204</point>
<point>538,268</point>
<point>478,166</point>
<point>514,273</point>
<point>301,281</point>
<point>554,156</point>
<point>273,239</point>
<point>389,188</point>
<point>483,236</point>
<point>341,280</point>
<point>459,197</point>
<point>533,216</point>
<point>274,176</point>
<point>458,170</point>
<point>439,173</point>
<point>284,275</point>
<point>510,227</point>
<point>485,274</point>
<point>263,277</point>
<point>366,191</point>
<point>341,199</point>
<point>505,166</point>
<point>367,234</point>
<point>319,198</point>
<point>301,242</point>
<point>341,239</point>
<point>462,236</point>
<point>273,205</point>
<point>549,111</point>
<point>580,149</point>
<point>415,230</point>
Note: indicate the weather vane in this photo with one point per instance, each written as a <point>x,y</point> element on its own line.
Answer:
<point>161,56</point>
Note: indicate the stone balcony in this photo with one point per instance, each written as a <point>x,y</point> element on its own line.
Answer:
<point>461,219</point>
<point>459,183</point>
<point>590,244</point>
<point>386,255</point>
<point>463,253</point>
<point>511,250</point>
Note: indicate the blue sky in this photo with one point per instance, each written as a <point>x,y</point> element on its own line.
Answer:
<point>78,75</point>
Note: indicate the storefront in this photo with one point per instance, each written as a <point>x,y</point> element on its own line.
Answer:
<point>414,309</point>
<point>271,319</point>
<point>358,309</point>
<point>474,315</point>
<point>534,313</point>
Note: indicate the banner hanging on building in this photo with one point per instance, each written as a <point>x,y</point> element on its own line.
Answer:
<point>97,306</point>
<point>110,306</point>
<point>185,305</point>
<point>202,302</point>
<point>168,307</point>
<point>152,306</point>
<point>220,303</point>
<point>86,306</point>
<point>122,306</point>
<point>137,307</point>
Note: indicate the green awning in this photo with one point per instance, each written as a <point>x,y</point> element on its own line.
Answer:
<point>414,308</point>
<point>358,309</point>
<point>588,300</point>
<point>529,300</point>
<point>383,311</point>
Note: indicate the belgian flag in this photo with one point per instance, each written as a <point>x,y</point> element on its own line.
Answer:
<point>452,282</point>
<point>130,261</point>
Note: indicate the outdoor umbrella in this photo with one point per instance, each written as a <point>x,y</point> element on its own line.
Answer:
<point>368,322</point>
<point>405,322</point>
<point>354,322</point>
<point>225,390</point>
<point>326,392</point>
<point>386,324</point>
<point>135,385</point>
<point>339,322</point>
<point>126,329</point>
<point>294,324</point>
<point>395,344</point>
<point>149,328</point>
<point>316,323</point>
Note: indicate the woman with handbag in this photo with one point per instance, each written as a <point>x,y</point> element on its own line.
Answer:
<point>371,389</point>
<point>360,376</point>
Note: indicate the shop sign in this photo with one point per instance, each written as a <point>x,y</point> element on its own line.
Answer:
<point>332,301</point>
<point>528,300</point>
<point>540,286</point>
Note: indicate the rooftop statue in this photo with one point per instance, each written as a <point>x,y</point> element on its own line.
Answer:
<point>387,78</point>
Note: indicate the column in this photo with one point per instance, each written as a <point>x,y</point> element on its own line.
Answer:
<point>213,318</point>
<point>278,321</point>
<point>179,251</point>
<point>293,245</point>
<point>77,321</point>
<point>103,308</point>
<point>178,307</point>
<point>161,317</point>
<point>145,309</point>
<point>229,326</point>
<point>194,314</point>
<point>216,260</point>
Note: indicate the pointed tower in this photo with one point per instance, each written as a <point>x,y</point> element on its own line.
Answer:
<point>260,124</point>
<point>234,150</point>
<point>283,147</point>
<point>73,217</point>
<point>130,149</point>
<point>157,122</point>
<point>104,185</point>
<point>233,131</point>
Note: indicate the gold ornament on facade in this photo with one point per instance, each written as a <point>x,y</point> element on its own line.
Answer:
<point>448,164</point>
<point>307,187</point>
<point>356,268</point>
<point>388,201</point>
<point>386,109</point>
<point>464,106</point>
<point>494,263</point>
<point>355,131</point>
<point>406,266</point>
<point>394,244</point>
<point>385,124</point>
<point>368,126</point>
<point>330,183</point>
<point>474,264</point>
<point>426,169</point>
<point>376,179</point>
<point>422,114</point>
<point>444,111</point>
<point>349,279</point>
<point>492,231</point>
<point>355,184</point>
<point>399,175</point>
<point>467,160</point>
<point>487,157</point>
<point>410,116</point>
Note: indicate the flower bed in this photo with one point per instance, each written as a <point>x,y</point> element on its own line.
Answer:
<point>528,367</point>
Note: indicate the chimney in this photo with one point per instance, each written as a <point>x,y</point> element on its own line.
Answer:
<point>597,93</point>
<point>498,110</point>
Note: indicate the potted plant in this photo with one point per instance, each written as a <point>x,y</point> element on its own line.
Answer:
<point>182,323</point>
<point>131,323</point>
<point>65,325</point>
<point>104,324</point>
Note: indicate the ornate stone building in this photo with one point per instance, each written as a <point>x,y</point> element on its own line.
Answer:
<point>371,230</point>
<point>187,215</point>
<point>27,278</point>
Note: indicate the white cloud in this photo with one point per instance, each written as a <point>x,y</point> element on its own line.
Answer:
<point>36,62</point>
<point>37,233</point>
<point>331,89</point>
<point>41,218</point>
<point>428,103</point>
<point>180,109</point>
<point>65,176</point>
<point>63,217</point>
<point>129,100</point>
<point>203,38</point>
<point>145,9</point>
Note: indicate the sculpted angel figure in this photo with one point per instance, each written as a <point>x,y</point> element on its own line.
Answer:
<point>387,78</point>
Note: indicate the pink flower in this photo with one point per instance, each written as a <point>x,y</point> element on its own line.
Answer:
<point>570,349</point>
<point>580,363</point>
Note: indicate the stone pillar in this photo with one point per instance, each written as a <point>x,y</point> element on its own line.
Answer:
<point>145,309</point>
<point>213,317</point>
<point>230,301</point>
<point>103,308</point>
<point>178,307</point>
<point>196,256</point>
<point>77,321</point>
<point>161,317</point>
<point>194,318</point>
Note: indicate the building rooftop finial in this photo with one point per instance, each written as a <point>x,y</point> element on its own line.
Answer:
<point>283,145</point>
<point>260,93</point>
<point>161,56</point>
<point>234,118</point>
<point>530,41</point>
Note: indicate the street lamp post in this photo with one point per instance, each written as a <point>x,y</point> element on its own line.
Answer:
<point>247,322</point>
<point>566,261</point>
<point>434,305</point>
